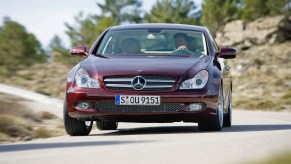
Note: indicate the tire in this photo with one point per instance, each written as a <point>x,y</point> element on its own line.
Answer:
<point>75,127</point>
<point>228,117</point>
<point>216,123</point>
<point>106,125</point>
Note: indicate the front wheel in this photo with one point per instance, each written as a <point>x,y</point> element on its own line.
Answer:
<point>75,127</point>
<point>216,123</point>
<point>106,125</point>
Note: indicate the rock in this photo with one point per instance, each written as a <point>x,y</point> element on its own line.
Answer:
<point>231,34</point>
<point>27,138</point>
<point>267,30</point>
<point>236,25</point>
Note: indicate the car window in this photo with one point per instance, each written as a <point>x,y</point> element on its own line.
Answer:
<point>214,44</point>
<point>153,42</point>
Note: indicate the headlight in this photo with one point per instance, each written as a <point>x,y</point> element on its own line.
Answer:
<point>83,80</point>
<point>197,82</point>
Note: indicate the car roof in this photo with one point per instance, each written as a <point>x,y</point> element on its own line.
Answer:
<point>158,25</point>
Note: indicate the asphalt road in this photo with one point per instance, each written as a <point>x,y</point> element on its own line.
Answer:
<point>254,135</point>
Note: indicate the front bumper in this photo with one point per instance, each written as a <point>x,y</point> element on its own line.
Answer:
<point>121,114</point>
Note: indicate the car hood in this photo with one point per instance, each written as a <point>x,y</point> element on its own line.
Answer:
<point>144,65</point>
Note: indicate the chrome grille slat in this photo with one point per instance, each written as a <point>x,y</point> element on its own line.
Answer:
<point>158,86</point>
<point>118,79</point>
<point>159,81</point>
<point>146,77</point>
<point>130,86</point>
<point>153,83</point>
<point>119,85</point>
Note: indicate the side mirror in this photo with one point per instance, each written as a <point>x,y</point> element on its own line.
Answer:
<point>79,51</point>
<point>226,53</point>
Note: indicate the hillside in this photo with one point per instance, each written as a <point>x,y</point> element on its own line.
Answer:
<point>49,79</point>
<point>261,71</point>
<point>262,78</point>
<point>20,120</point>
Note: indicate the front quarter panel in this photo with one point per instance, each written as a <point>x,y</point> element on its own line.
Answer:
<point>71,76</point>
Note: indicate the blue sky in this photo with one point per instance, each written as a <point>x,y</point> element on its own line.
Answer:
<point>45,18</point>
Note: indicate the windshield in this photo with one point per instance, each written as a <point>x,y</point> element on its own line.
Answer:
<point>153,42</point>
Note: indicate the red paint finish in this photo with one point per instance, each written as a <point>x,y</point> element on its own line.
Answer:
<point>180,67</point>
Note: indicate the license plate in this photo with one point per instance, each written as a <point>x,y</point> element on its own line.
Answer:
<point>137,100</point>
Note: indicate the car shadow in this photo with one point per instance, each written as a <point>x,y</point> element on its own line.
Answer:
<point>139,131</point>
<point>35,146</point>
<point>194,129</point>
<point>153,130</point>
<point>249,128</point>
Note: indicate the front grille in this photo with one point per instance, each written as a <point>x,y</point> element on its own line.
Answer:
<point>153,83</point>
<point>165,107</point>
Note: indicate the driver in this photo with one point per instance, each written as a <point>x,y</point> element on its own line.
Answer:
<point>182,44</point>
<point>181,41</point>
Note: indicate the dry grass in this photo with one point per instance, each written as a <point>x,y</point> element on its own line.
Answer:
<point>14,126</point>
<point>44,132</point>
<point>260,104</point>
<point>261,77</point>
<point>284,158</point>
<point>12,105</point>
<point>5,138</point>
<point>287,96</point>
<point>52,74</point>
<point>17,123</point>
<point>47,116</point>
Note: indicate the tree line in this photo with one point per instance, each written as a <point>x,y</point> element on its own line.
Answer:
<point>19,48</point>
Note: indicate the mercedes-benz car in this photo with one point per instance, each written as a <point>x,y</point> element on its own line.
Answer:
<point>148,73</point>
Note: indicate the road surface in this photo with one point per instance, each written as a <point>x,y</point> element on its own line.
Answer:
<point>254,135</point>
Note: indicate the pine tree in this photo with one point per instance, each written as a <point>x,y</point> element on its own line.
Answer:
<point>88,28</point>
<point>215,13</point>
<point>18,47</point>
<point>173,11</point>
<point>260,8</point>
<point>122,10</point>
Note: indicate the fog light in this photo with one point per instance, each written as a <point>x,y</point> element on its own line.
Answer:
<point>84,105</point>
<point>195,107</point>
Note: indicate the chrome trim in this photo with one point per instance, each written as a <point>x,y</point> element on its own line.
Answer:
<point>138,83</point>
<point>128,82</point>
<point>130,86</point>
<point>160,81</point>
<point>119,85</point>
<point>158,86</point>
<point>117,79</point>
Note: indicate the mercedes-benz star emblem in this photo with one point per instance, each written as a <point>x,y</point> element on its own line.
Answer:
<point>138,83</point>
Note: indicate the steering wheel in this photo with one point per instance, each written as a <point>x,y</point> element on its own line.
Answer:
<point>181,52</point>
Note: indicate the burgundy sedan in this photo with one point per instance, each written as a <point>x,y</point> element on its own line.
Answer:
<point>150,73</point>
